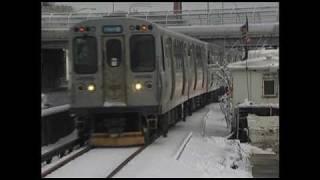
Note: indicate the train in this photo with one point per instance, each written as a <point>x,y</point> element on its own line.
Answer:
<point>132,79</point>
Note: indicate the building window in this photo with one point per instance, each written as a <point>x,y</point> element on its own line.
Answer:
<point>269,88</point>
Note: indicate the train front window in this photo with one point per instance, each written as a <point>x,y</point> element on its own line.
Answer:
<point>85,55</point>
<point>114,52</point>
<point>142,53</point>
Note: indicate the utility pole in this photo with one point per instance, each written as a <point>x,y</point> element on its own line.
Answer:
<point>112,7</point>
<point>207,13</point>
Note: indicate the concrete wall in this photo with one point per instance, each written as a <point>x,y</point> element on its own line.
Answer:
<point>255,83</point>
<point>56,126</point>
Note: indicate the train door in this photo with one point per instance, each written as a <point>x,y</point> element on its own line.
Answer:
<point>114,71</point>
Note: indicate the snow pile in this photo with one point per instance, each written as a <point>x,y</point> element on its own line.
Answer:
<point>246,102</point>
<point>251,149</point>
<point>217,157</point>
<point>264,131</point>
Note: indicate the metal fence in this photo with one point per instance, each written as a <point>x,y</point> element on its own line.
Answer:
<point>268,14</point>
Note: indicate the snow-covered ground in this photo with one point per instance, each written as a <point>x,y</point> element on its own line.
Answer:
<point>208,154</point>
<point>97,163</point>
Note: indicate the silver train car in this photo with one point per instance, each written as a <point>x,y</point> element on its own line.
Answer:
<point>132,79</point>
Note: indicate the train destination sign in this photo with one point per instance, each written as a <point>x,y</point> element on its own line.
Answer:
<point>112,29</point>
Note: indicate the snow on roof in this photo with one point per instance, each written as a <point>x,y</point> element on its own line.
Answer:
<point>262,53</point>
<point>264,62</point>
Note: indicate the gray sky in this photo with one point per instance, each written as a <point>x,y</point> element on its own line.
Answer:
<point>158,6</point>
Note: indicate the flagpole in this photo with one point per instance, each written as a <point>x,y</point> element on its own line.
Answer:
<point>246,55</point>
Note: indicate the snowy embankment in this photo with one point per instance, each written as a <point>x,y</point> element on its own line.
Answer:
<point>208,154</point>
<point>212,155</point>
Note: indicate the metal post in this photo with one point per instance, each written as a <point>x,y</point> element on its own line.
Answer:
<point>112,7</point>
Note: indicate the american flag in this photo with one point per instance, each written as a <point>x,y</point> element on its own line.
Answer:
<point>245,29</point>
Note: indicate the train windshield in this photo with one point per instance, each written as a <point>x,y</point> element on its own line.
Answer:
<point>85,55</point>
<point>142,53</point>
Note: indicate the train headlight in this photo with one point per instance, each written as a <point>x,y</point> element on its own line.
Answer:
<point>138,86</point>
<point>91,87</point>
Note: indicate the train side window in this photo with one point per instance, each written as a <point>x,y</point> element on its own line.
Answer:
<point>169,48</point>
<point>113,49</point>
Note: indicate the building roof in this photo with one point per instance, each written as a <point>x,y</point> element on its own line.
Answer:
<point>259,63</point>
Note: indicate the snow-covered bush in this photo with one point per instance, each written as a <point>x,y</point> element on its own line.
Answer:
<point>225,80</point>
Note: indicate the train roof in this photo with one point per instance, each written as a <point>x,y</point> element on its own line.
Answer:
<point>142,20</point>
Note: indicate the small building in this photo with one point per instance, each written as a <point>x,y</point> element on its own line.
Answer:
<point>256,79</point>
<point>255,90</point>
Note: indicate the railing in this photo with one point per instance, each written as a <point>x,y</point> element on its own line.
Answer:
<point>268,14</point>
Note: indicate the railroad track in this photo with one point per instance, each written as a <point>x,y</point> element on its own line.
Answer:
<point>60,151</point>
<point>127,160</point>
<point>66,160</point>
<point>83,150</point>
